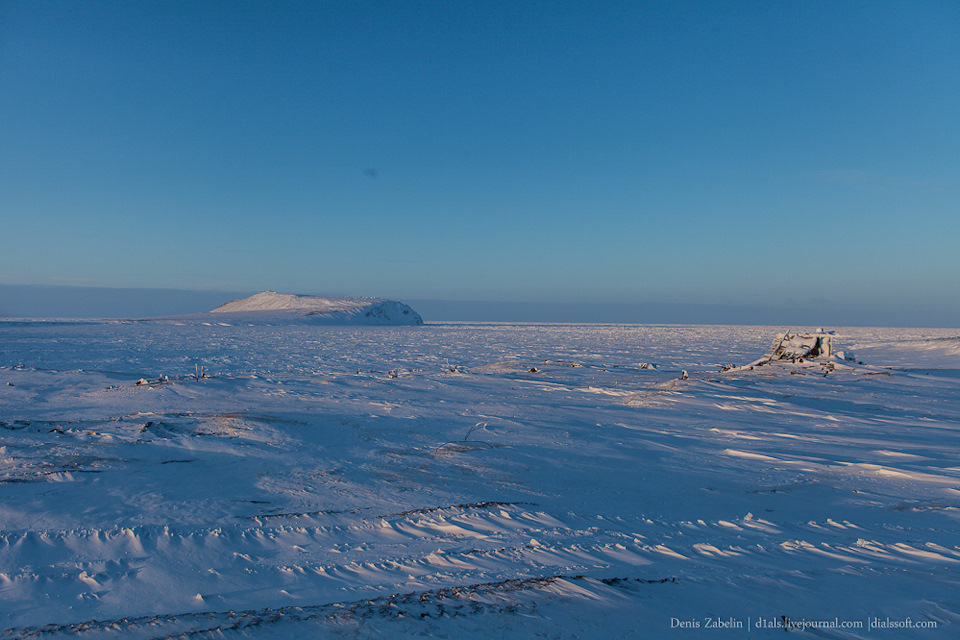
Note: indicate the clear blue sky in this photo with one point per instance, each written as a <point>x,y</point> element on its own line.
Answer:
<point>625,152</point>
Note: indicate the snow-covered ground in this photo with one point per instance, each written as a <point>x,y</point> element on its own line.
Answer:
<point>474,481</point>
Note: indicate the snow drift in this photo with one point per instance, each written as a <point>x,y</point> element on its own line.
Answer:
<point>270,305</point>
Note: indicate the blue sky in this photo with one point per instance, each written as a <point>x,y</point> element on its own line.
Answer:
<point>606,152</point>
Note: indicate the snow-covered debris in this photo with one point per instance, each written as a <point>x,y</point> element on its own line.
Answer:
<point>794,346</point>
<point>325,310</point>
<point>800,347</point>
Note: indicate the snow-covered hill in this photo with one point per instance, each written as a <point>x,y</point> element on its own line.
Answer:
<point>270,304</point>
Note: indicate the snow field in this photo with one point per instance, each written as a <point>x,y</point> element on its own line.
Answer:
<point>314,483</point>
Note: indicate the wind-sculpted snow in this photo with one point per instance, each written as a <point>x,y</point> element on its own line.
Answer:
<point>473,481</point>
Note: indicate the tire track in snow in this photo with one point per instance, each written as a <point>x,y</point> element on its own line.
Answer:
<point>512,597</point>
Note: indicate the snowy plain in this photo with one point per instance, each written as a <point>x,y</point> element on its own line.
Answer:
<point>474,481</point>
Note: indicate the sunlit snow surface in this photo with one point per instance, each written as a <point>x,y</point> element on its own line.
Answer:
<point>333,482</point>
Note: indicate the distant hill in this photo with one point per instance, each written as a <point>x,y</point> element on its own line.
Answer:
<point>268,305</point>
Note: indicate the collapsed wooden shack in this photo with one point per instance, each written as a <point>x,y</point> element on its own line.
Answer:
<point>800,347</point>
